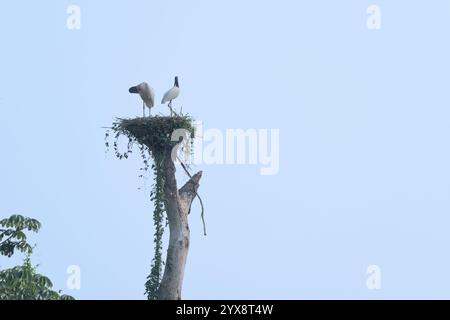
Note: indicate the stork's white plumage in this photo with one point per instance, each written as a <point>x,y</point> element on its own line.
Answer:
<point>147,94</point>
<point>170,95</point>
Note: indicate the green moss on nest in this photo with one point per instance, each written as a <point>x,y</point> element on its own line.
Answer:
<point>154,132</point>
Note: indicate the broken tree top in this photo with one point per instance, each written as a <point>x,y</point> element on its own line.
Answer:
<point>155,132</point>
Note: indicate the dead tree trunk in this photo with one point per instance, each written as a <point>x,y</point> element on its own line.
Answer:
<point>178,203</point>
<point>156,134</point>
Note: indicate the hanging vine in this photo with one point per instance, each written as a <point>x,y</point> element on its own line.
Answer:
<point>153,136</point>
<point>159,214</point>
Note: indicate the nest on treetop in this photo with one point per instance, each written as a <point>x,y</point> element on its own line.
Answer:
<point>155,132</point>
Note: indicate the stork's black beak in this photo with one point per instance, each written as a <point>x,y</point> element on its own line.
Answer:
<point>133,90</point>
<point>176,82</point>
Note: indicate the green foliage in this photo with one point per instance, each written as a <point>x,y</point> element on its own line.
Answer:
<point>24,283</point>
<point>153,135</point>
<point>12,235</point>
<point>157,196</point>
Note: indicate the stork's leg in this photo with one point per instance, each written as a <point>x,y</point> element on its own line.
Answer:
<point>143,109</point>
<point>172,113</point>
<point>170,107</point>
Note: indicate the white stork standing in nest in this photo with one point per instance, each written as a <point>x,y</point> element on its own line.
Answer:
<point>170,95</point>
<point>147,94</point>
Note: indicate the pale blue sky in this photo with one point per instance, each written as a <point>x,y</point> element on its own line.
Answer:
<point>364,159</point>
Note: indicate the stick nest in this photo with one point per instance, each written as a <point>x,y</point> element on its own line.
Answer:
<point>154,132</point>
